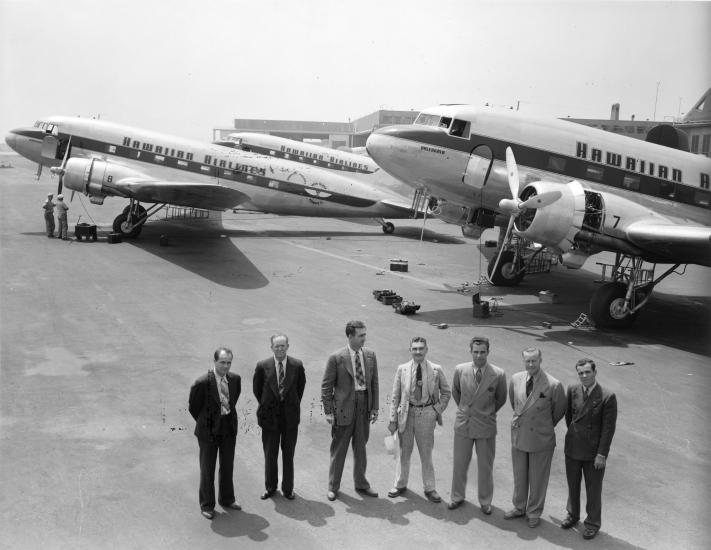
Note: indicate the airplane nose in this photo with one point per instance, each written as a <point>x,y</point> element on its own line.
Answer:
<point>11,140</point>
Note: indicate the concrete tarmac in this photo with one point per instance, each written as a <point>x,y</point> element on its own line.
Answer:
<point>101,342</point>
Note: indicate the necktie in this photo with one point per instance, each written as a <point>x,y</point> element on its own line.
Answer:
<point>529,386</point>
<point>478,377</point>
<point>224,395</point>
<point>418,384</point>
<point>281,379</point>
<point>585,394</point>
<point>360,378</point>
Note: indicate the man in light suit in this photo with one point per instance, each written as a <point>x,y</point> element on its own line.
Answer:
<point>479,389</point>
<point>591,418</point>
<point>420,396</point>
<point>349,393</point>
<point>213,398</point>
<point>278,385</point>
<point>538,402</point>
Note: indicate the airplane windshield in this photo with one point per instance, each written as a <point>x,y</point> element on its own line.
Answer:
<point>433,120</point>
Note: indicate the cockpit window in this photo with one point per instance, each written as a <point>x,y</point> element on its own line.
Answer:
<point>445,121</point>
<point>427,120</point>
<point>460,128</point>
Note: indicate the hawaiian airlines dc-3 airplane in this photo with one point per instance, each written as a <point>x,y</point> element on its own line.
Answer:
<point>582,191</point>
<point>298,151</point>
<point>101,159</point>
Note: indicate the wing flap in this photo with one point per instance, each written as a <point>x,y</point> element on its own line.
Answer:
<point>197,195</point>
<point>673,243</point>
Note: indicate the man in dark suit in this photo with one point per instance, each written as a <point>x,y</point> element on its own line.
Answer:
<point>278,385</point>
<point>591,418</point>
<point>212,402</point>
<point>349,393</point>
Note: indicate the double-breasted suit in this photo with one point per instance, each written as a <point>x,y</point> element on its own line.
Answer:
<point>591,426</point>
<point>416,420</point>
<point>350,410</point>
<point>475,426</point>
<point>533,437</point>
<point>279,417</point>
<point>216,434</point>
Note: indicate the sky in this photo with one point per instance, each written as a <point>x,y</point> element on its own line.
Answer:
<point>185,67</point>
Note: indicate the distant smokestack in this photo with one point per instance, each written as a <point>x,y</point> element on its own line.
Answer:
<point>632,117</point>
<point>615,114</point>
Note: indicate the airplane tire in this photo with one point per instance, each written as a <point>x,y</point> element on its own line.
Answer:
<point>504,275</point>
<point>606,307</point>
<point>388,228</point>
<point>121,226</point>
<point>137,209</point>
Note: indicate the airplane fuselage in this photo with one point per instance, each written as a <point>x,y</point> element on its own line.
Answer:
<point>271,184</point>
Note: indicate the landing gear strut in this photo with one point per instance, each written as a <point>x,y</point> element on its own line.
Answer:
<point>130,222</point>
<point>616,304</point>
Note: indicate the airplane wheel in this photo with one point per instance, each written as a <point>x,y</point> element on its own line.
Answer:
<point>506,272</point>
<point>121,226</point>
<point>388,228</point>
<point>137,210</point>
<point>607,307</point>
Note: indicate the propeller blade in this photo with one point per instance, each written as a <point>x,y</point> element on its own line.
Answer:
<point>501,249</point>
<point>512,207</point>
<point>59,185</point>
<point>62,168</point>
<point>512,170</point>
<point>71,198</point>
<point>542,200</point>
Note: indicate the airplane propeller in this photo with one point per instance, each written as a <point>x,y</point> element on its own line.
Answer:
<point>62,168</point>
<point>515,206</point>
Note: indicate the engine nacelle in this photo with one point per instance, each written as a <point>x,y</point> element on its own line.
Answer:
<point>555,225</point>
<point>95,177</point>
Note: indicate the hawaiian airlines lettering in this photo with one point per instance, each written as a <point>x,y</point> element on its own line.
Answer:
<point>631,164</point>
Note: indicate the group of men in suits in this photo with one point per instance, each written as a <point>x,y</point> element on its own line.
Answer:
<point>349,394</point>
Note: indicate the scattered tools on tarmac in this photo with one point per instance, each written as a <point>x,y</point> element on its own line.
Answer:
<point>391,298</point>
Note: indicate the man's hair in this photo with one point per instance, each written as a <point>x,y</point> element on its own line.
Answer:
<point>479,340</point>
<point>419,339</point>
<point>278,335</point>
<point>530,351</point>
<point>219,350</point>
<point>583,362</point>
<point>351,327</point>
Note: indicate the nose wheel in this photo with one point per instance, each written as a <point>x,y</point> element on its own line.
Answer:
<point>388,228</point>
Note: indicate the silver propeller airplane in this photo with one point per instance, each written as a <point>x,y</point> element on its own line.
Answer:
<point>101,159</point>
<point>576,190</point>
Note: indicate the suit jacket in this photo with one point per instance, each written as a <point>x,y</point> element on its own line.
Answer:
<point>591,424</point>
<point>338,385</point>
<point>437,387</point>
<point>477,408</point>
<point>535,416</point>
<point>204,403</point>
<point>265,385</point>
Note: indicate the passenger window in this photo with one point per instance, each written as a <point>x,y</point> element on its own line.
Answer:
<point>594,172</point>
<point>556,164</point>
<point>631,182</point>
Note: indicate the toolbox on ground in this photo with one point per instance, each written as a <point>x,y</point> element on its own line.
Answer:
<point>85,230</point>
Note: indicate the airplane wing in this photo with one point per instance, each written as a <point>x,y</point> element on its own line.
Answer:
<point>196,195</point>
<point>676,243</point>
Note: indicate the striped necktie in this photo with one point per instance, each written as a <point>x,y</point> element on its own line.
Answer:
<point>529,386</point>
<point>360,378</point>
<point>224,395</point>
<point>281,379</point>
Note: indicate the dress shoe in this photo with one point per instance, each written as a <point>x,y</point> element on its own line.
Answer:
<point>486,509</point>
<point>209,514</point>
<point>589,533</point>
<point>514,513</point>
<point>568,523</point>
<point>367,492</point>
<point>234,506</point>
<point>332,495</point>
<point>533,522</point>
<point>267,494</point>
<point>289,496</point>
<point>396,491</point>
<point>454,504</point>
<point>433,496</point>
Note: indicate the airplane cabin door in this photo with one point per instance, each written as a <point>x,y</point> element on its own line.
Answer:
<point>476,174</point>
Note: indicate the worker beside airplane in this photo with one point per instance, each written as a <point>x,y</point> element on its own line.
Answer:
<point>538,401</point>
